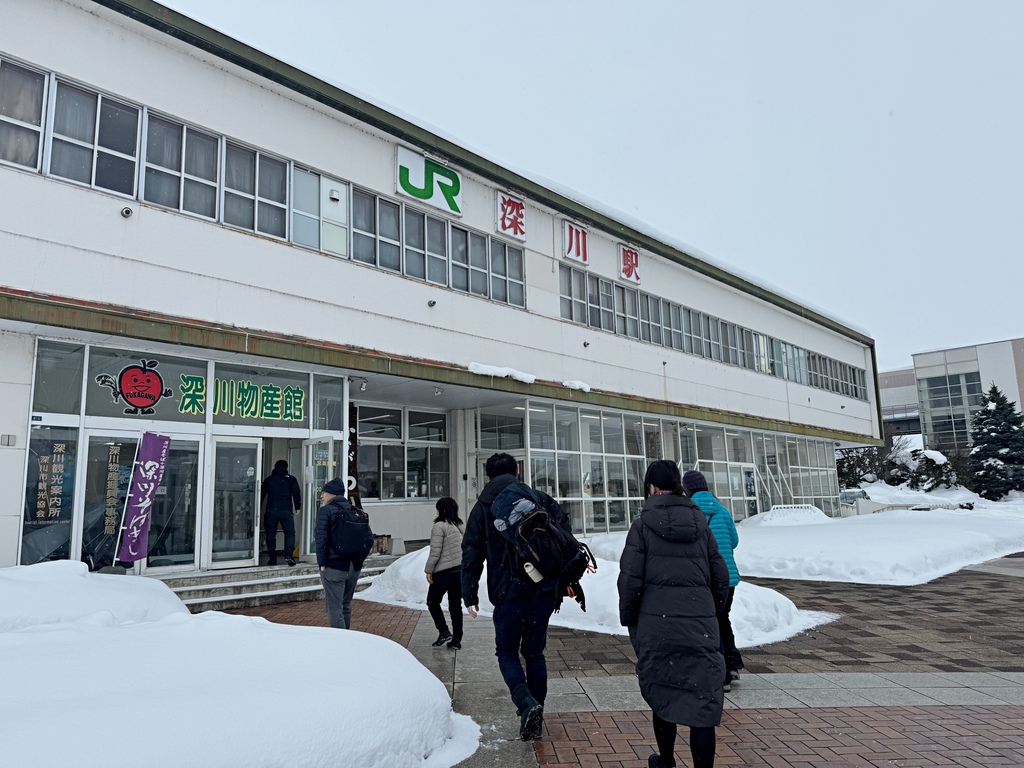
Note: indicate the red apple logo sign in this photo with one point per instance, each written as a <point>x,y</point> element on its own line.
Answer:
<point>139,386</point>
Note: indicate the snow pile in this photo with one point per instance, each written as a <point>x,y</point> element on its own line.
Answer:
<point>788,514</point>
<point>501,373</point>
<point>576,385</point>
<point>65,592</point>
<point>898,546</point>
<point>102,654</point>
<point>758,615</point>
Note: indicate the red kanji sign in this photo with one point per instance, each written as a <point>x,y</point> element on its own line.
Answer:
<point>574,241</point>
<point>511,216</point>
<point>629,264</point>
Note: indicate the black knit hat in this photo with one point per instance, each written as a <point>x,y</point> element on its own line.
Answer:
<point>335,487</point>
<point>694,481</point>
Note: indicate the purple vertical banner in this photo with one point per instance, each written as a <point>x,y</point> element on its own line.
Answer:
<point>148,471</point>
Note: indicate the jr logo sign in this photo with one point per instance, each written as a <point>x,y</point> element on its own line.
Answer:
<point>429,182</point>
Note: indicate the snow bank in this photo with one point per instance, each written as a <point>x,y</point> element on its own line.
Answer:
<point>759,615</point>
<point>788,514</point>
<point>224,690</point>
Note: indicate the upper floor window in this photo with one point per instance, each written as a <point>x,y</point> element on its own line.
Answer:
<point>255,191</point>
<point>21,114</point>
<point>181,167</point>
<point>319,212</point>
<point>95,140</point>
<point>487,267</point>
<point>426,247</point>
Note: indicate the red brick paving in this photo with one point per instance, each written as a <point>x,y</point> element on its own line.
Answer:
<point>865,737</point>
<point>982,609</point>
<point>388,621</point>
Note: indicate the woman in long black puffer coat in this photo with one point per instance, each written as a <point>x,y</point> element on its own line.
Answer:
<point>672,583</point>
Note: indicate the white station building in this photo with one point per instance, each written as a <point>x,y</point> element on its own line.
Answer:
<point>201,241</point>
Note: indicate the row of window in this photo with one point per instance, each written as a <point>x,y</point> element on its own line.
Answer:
<point>593,461</point>
<point>63,130</point>
<point>402,454</point>
<point>591,300</point>
<point>948,404</point>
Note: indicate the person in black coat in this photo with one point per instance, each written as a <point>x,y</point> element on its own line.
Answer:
<point>281,493</point>
<point>522,607</point>
<point>672,583</point>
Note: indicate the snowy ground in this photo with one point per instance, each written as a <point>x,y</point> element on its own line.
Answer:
<point>101,669</point>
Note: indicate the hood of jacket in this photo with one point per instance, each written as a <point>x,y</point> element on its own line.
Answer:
<point>494,487</point>
<point>280,471</point>
<point>673,518</point>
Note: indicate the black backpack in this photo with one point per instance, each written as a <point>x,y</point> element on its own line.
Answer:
<point>539,548</point>
<point>350,534</point>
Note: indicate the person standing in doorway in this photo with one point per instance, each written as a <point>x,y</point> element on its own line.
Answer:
<point>343,540</point>
<point>724,529</point>
<point>672,583</point>
<point>280,492</point>
<point>522,607</point>
<point>444,572</point>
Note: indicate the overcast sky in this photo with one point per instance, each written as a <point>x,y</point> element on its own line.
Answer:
<point>865,157</point>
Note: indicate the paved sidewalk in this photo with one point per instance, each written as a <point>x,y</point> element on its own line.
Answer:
<point>931,675</point>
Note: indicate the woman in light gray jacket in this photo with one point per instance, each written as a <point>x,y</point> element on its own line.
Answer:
<point>444,572</point>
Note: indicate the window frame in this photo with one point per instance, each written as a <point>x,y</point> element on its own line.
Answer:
<point>44,113</point>
<point>94,147</point>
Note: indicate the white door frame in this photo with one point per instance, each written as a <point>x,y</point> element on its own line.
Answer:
<point>207,548</point>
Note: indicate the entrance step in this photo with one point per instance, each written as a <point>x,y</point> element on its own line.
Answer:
<point>263,585</point>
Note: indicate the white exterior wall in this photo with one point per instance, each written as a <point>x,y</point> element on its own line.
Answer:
<point>171,263</point>
<point>16,352</point>
<point>996,365</point>
<point>65,240</point>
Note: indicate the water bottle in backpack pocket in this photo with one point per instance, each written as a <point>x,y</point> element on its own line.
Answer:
<point>539,547</point>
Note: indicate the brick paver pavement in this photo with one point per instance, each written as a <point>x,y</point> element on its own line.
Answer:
<point>965,622</point>
<point>865,737</point>
<point>388,621</point>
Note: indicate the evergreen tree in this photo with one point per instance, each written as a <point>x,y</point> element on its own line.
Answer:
<point>997,455</point>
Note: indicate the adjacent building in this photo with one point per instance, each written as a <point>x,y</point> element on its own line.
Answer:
<point>201,241</point>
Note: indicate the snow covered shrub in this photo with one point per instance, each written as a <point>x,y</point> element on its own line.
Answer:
<point>930,470</point>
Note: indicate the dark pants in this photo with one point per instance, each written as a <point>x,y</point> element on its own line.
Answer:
<point>521,627</point>
<point>287,520</point>
<point>446,582</point>
<point>702,744</point>
<point>339,586</point>
<point>733,659</point>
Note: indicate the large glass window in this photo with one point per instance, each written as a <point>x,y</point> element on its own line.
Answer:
<point>402,454</point>
<point>259,397</point>
<point>501,428</point>
<point>95,140</point>
<point>49,494</point>
<point>58,387</point>
<point>128,383</point>
<point>21,114</point>
<point>328,413</point>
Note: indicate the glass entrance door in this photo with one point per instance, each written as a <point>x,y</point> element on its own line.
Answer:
<point>318,466</point>
<point>236,501</point>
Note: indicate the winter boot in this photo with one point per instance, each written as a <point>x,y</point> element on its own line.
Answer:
<point>531,714</point>
<point>654,761</point>
<point>442,638</point>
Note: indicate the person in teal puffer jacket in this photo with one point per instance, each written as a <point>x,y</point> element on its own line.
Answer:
<point>722,526</point>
